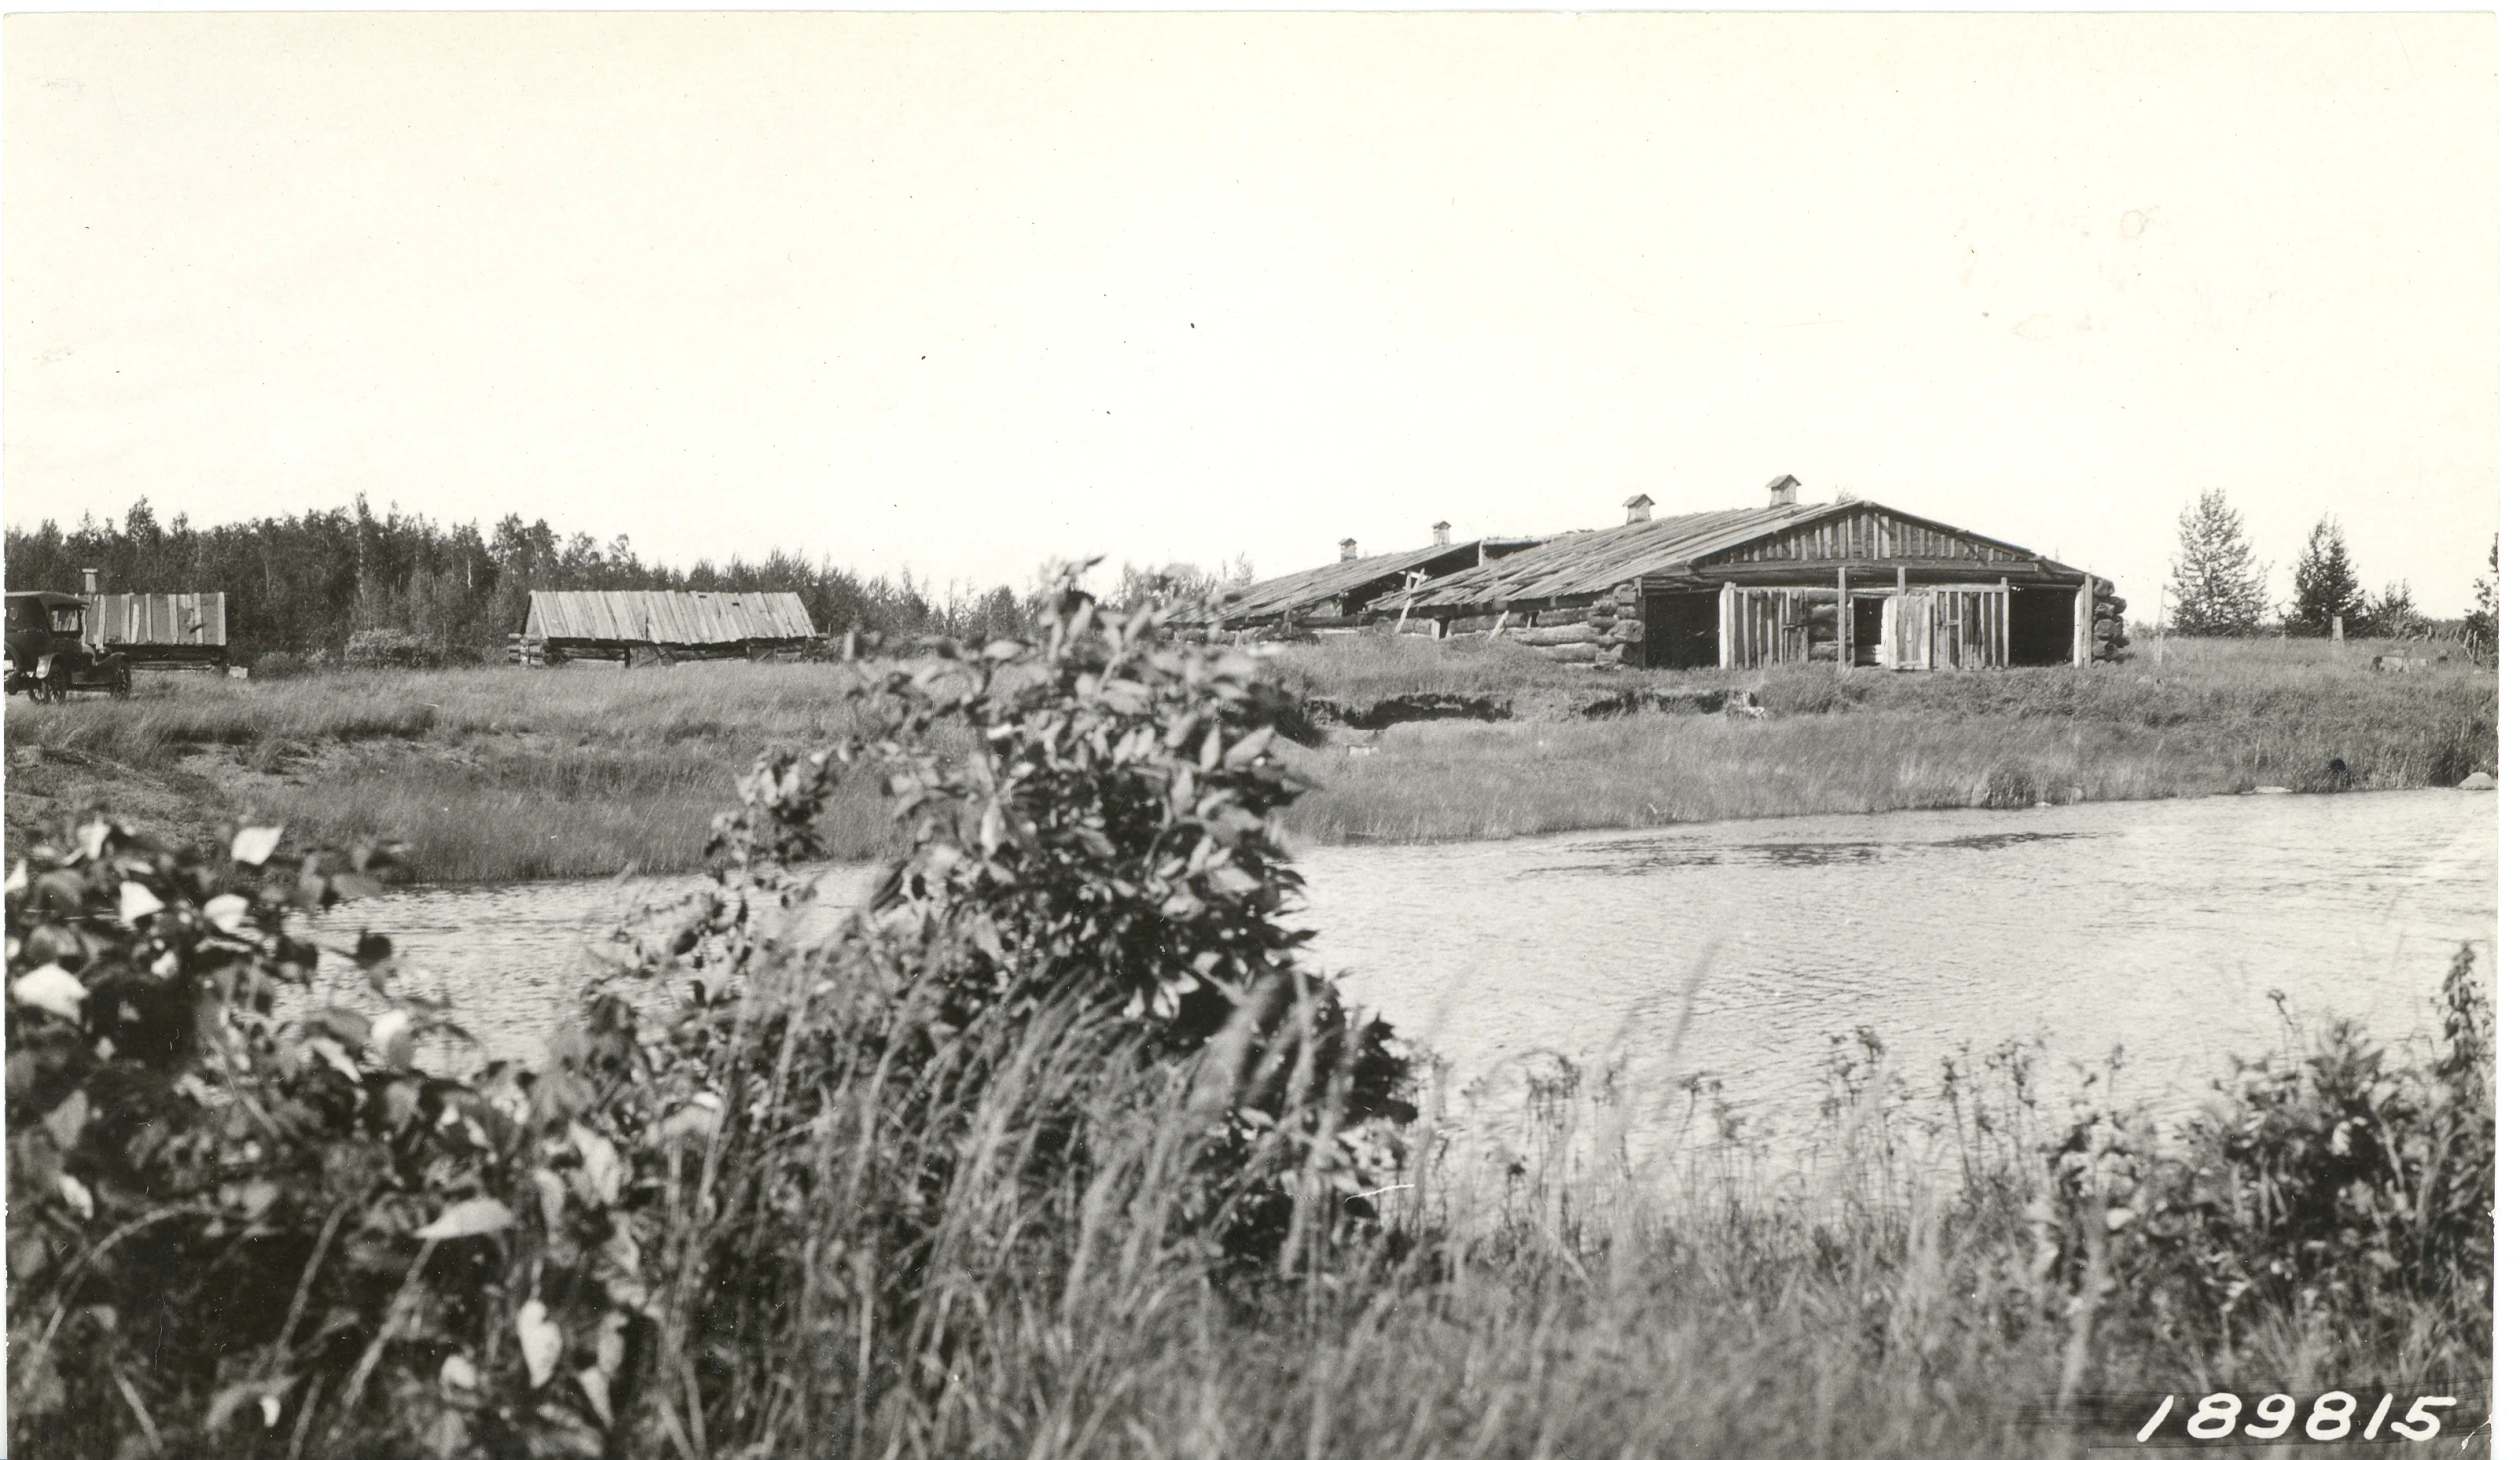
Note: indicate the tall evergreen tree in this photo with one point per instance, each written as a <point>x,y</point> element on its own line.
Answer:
<point>2324,586</point>
<point>2219,584</point>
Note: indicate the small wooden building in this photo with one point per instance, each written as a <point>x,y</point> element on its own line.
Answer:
<point>1335,596</point>
<point>624,624</point>
<point>1783,582</point>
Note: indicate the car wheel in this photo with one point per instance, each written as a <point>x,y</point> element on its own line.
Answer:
<point>122,681</point>
<point>40,690</point>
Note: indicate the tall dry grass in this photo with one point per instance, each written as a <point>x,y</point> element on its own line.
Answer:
<point>2220,717</point>
<point>488,774</point>
<point>1898,1291</point>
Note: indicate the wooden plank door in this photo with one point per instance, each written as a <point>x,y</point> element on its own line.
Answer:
<point>1967,627</point>
<point>1908,630</point>
<point>1770,625</point>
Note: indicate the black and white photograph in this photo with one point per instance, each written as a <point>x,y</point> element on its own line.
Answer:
<point>1213,736</point>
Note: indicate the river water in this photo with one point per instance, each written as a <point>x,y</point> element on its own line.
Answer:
<point>1736,949</point>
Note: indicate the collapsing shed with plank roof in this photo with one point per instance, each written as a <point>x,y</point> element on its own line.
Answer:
<point>1334,594</point>
<point>620,623</point>
<point>1778,583</point>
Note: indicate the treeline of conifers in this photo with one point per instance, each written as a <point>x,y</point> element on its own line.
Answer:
<point>304,583</point>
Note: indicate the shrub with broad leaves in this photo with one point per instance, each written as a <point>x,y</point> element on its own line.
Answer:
<point>244,1215</point>
<point>2338,1179</point>
<point>261,1208</point>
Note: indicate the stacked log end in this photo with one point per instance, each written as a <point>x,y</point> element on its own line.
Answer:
<point>2110,638</point>
<point>1820,627</point>
<point>1620,640</point>
<point>1607,632</point>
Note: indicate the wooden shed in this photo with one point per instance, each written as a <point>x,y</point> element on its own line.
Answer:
<point>161,631</point>
<point>622,623</point>
<point>1335,595</point>
<point>1846,582</point>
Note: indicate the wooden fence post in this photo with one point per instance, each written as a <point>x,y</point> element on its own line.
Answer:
<point>1845,623</point>
<point>2083,623</point>
<point>2004,641</point>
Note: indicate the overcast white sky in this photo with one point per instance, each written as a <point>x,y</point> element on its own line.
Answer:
<point>962,292</point>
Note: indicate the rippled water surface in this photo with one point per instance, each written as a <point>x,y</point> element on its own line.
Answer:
<point>1736,949</point>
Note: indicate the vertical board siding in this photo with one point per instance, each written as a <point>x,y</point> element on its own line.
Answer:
<point>1908,631</point>
<point>1924,629</point>
<point>187,618</point>
<point>1862,535</point>
<point>1944,629</point>
<point>1769,626</point>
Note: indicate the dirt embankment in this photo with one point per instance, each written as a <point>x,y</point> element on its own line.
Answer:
<point>46,788</point>
<point>197,799</point>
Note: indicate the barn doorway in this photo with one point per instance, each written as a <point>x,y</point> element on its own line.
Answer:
<point>1865,631</point>
<point>1680,631</point>
<point>2042,624</point>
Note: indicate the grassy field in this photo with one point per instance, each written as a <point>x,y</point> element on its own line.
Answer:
<point>490,775</point>
<point>2212,718</point>
<point>497,775</point>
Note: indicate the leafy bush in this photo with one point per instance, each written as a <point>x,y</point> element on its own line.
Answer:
<point>392,648</point>
<point>281,664</point>
<point>1106,851</point>
<point>2337,1185</point>
<point>245,1218</point>
<point>223,1218</point>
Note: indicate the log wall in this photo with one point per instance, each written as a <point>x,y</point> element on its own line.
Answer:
<point>1607,633</point>
<point>1955,626</point>
<point>2110,638</point>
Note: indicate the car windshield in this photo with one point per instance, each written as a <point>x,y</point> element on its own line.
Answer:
<point>66,621</point>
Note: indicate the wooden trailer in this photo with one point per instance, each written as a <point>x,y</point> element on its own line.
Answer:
<point>161,631</point>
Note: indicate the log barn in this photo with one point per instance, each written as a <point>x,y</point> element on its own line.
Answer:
<point>1334,595</point>
<point>1847,582</point>
<point>629,623</point>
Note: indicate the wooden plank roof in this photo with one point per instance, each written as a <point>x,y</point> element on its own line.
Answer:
<point>1598,560</point>
<point>1595,562</point>
<point>1274,596</point>
<point>646,616</point>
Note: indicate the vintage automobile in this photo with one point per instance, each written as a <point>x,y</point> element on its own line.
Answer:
<point>48,653</point>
